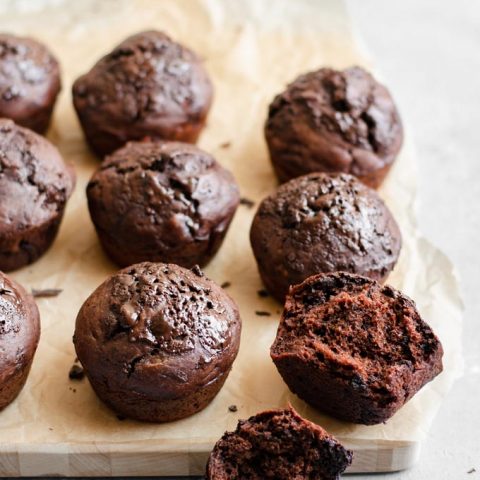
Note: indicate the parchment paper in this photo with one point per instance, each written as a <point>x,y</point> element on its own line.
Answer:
<point>251,49</point>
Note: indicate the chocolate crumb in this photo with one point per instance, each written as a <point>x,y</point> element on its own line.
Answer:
<point>76,373</point>
<point>225,284</point>
<point>46,292</point>
<point>262,313</point>
<point>247,202</point>
<point>197,271</point>
<point>472,470</point>
<point>232,408</point>
<point>225,144</point>
<point>51,429</point>
<point>121,418</point>
<point>263,293</point>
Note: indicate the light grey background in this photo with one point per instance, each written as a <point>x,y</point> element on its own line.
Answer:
<point>429,54</point>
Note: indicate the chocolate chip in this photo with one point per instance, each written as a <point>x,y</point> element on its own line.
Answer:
<point>232,408</point>
<point>76,373</point>
<point>197,271</point>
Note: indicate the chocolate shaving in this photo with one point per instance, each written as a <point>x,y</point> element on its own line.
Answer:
<point>232,408</point>
<point>225,144</point>
<point>247,202</point>
<point>76,373</point>
<point>46,292</point>
<point>262,313</point>
<point>225,284</point>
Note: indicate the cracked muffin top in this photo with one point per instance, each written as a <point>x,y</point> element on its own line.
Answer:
<point>35,183</point>
<point>323,223</point>
<point>334,121</point>
<point>157,329</point>
<point>19,329</point>
<point>148,85</point>
<point>161,201</point>
<point>29,81</point>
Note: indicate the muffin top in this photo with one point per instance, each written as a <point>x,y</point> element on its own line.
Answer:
<point>154,322</point>
<point>324,223</point>
<point>149,79</point>
<point>161,196</point>
<point>19,327</point>
<point>35,183</point>
<point>29,77</point>
<point>335,121</point>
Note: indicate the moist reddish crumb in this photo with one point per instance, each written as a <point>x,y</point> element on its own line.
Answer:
<point>353,348</point>
<point>277,444</point>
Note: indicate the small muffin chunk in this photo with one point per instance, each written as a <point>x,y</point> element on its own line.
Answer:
<point>35,185</point>
<point>29,82</point>
<point>162,201</point>
<point>277,444</point>
<point>334,121</point>
<point>353,348</point>
<point>19,336</point>
<point>148,86</point>
<point>323,223</point>
<point>157,341</point>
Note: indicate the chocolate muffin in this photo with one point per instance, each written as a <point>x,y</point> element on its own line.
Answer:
<point>161,201</point>
<point>334,121</point>
<point>277,444</point>
<point>148,86</point>
<point>19,335</point>
<point>353,348</point>
<point>35,185</point>
<point>157,341</point>
<point>29,82</point>
<point>323,223</point>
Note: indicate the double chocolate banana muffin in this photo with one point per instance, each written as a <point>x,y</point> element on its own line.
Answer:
<point>157,341</point>
<point>148,86</point>
<point>323,223</point>
<point>334,121</point>
<point>29,82</point>
<point>353,348</point>
<point>161,201</point>
<point>19,336</point>
<point>277,444</point>
<point>35,185</point>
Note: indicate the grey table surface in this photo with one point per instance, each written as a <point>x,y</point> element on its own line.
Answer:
<point>429,53</point>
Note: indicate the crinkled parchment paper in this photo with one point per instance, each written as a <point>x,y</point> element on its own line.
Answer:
<point>251,49</point>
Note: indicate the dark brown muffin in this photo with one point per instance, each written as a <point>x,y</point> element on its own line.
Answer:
<point>148,86</point>
<point>29,82</point>
<point>161,201</point>
<point>334,121</point>
<point>277,444</point>
<point>19,335</point>
<point>157,341</point>
<point>353,348</point>
<point>35,185</point>
<point>323,223</point>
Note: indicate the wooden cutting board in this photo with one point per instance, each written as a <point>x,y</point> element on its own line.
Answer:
<point>251,48</point>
